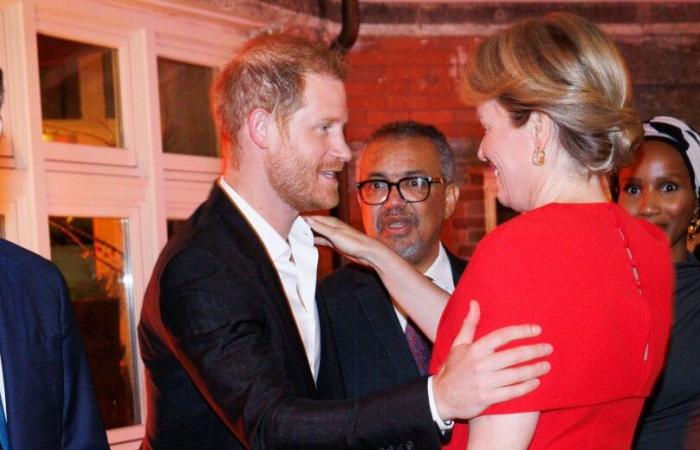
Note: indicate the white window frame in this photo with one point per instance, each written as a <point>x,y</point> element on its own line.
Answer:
<point>75,28</point>
<point>137,182</point>
<point>202,53</point>
<point>68,197</point>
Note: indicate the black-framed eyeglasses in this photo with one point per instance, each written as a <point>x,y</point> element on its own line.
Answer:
<point>411,189</point>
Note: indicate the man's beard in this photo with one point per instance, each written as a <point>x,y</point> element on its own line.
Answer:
<point>401,245</point>
<point>295,179</point>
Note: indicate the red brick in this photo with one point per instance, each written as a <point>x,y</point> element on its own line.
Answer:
<point>449,101</point>
<point>471,194</point>
<point>474,208</point>
<point>411,72</point>
<point>468,222</point>
<point>357,117</point>
<point>433,57</point>
<point>432,117</point>
<point>379,87</point>
<point>434,85</point>
<point>382,117</point>
<point>366,102</point>
<point>404,43</point>
<point>465,251</point>
<point>452,130</point>
<point>413,102</point>
<point>466,114</point>
<point>476,235</point>
<point>358,133</point>
<point>476,179</point>
<point>365,73</point>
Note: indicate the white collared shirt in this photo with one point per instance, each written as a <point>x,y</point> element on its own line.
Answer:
<point>440,271</point>
<point>295,260</point>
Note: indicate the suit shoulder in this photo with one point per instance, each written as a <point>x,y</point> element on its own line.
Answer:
<point>25,261</point>
<point>345,275</point>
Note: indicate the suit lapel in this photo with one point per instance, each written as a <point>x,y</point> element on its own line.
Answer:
<point>457,265</point>
<point>379,311</point>
<point>248,241</point>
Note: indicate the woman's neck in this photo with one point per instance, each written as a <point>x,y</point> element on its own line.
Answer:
<point>567,188</point>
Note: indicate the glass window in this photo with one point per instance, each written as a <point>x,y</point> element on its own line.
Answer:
<point>91,254</point>
<point>186,124</point>
<point>79,92</point>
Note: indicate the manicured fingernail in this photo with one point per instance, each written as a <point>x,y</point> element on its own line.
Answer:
<point>548,349</point>
<point>536,329</point>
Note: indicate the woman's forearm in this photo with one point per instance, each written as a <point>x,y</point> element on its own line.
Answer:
<point>416,295</point>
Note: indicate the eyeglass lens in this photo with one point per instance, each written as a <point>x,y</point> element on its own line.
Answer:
<point>412,189</point>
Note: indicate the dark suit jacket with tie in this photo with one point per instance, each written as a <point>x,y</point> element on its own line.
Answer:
<point>226,367</point>
<point>49,392</point>
<point>371,345</point>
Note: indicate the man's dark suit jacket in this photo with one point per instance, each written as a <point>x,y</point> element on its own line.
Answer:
<point>371,345</point>
<point>49,392</point>
<point>226,367</point>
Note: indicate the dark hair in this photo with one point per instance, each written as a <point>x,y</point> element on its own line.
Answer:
<point>410,129</point>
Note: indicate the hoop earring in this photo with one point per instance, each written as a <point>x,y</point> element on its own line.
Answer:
<point>538,157</point>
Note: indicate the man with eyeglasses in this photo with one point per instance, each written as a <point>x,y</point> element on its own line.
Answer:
<point>406,192</point>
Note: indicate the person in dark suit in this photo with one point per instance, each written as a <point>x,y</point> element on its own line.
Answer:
<point>231,334</point>
<point>48,400</point>
<point>377,345</point>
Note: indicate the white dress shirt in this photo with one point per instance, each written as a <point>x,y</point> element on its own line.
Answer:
<point>440,271</point>
<point>295,260</point>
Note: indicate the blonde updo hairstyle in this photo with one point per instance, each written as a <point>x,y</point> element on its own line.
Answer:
<point>565,67</point>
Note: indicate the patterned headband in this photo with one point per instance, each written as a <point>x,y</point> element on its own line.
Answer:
<point>682,137</point>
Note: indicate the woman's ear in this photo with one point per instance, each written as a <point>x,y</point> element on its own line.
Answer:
<point>542,129</point>
<point>258,124</point>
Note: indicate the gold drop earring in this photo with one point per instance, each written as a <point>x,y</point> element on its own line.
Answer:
<point>538,157</point>
<point>694,222</point>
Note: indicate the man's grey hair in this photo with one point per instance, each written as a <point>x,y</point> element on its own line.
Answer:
<point>411,129</point>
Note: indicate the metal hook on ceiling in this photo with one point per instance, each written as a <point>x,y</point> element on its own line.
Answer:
<point>350,20</point>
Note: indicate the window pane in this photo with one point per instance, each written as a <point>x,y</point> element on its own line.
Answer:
<point>186,123</point>
<point>90,252</point>
<point>79,92</point>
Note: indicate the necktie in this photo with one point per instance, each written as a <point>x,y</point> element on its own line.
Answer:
<point>420,347</point>
<point>4,440</point>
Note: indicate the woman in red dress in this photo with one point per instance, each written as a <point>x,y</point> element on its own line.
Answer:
<point>554,98</point>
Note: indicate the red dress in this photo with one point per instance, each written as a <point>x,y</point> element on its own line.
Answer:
<point>571,268</point>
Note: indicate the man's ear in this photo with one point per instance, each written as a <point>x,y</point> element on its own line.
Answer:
<point>451,197</point>
<point>258,124</point>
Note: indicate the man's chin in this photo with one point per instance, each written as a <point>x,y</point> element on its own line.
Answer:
<point>319,203</point>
